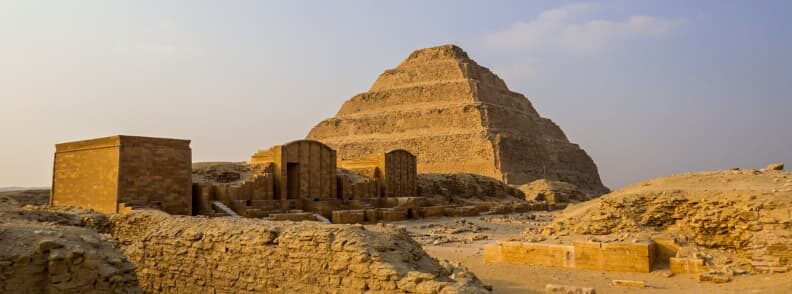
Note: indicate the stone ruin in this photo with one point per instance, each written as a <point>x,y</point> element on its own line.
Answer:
<point>360,167</point>
<point>456,116</point>
<point>300,180</point>
<point>116,173</point>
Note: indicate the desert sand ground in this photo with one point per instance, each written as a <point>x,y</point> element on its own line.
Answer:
<point>510,278</point>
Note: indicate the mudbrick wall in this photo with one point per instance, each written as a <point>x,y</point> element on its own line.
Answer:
<point>228,255</point>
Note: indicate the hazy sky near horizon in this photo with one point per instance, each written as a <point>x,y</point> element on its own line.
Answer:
<point>647,88</point>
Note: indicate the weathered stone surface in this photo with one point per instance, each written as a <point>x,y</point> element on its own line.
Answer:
<point>629,283</point>
<point>775,166</point>
<point>103,173</point>
<point>552,192</point>
<point>456,116</point>
<point>568,289</point>
<point>462,186</point>
<point>43,258</point>
<point>236,255</point>
<point>732,221</point>
<point>620,257</point>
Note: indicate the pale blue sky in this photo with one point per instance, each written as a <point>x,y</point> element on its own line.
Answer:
<point>647,88</point>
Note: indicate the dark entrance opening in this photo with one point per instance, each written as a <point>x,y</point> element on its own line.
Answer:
<point>410,213</point>
<point>292,180</point>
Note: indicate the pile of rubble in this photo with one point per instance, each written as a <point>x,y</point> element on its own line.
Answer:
<point>727,222</point>
<point>460,231</point>
<point>466,188</point>
<point>43,250</point>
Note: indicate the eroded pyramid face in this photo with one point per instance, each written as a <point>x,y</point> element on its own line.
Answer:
<point>456,116</point>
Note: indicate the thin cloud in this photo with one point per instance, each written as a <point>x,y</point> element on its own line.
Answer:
<point>158,51</point>
<point>565,28</point>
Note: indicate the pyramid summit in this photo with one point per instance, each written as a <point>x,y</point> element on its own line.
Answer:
<point>456,116</point>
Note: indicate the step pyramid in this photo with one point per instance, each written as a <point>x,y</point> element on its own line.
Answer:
<point>456,116</point>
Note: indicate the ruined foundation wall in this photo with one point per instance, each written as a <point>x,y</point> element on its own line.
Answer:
<point>227,255</point>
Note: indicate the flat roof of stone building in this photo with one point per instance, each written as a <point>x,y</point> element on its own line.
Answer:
<point>119,140</point>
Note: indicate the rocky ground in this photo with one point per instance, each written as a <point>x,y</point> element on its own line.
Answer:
<point>68,250</point>
<point>463,239</point>
<point>739,222</point>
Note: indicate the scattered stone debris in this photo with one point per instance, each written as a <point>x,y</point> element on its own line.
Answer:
<point>715,277</point>
<point>720,223</point>
<point>629,283</point>
<point>568,289</point>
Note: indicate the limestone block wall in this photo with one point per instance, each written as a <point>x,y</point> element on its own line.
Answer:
<point>395,171</point>
<point>101,173</point>
<point>177,254</point>
<point>255,193</point>
<point>621,257</point>
<point>85,174</point>
<point>302,170</point>
<point>401,174</point>
<point>156,171</point>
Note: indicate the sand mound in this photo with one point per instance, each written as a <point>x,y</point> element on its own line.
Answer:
<point>745,214</point>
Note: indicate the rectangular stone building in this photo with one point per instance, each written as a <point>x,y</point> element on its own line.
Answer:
<point>304,172</point>
<point>395,171</point>
<point>106,174</point>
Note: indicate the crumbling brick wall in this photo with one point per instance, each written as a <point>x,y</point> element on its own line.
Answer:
<point>228,255</point>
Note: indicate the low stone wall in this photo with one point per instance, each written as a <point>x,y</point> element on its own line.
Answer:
<point>689,265</point>
<point>349,216</point>
<point>622,257</point>
<point>239,255</point>
<point>61,259</point>
<point>462,211</point>
<point>292,216</point>
<point>431,211</point>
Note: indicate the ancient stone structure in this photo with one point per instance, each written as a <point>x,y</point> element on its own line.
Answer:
<point>621,257</point>
<point>228,255</point>
<point>302,170</point>
<point>286,181</point>
<point>456,116</point>
<point>395,172</point>
<point>109,174</point>
<point>717,223</point>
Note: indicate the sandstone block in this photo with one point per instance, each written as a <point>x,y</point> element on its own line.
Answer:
<point>568,289</point>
